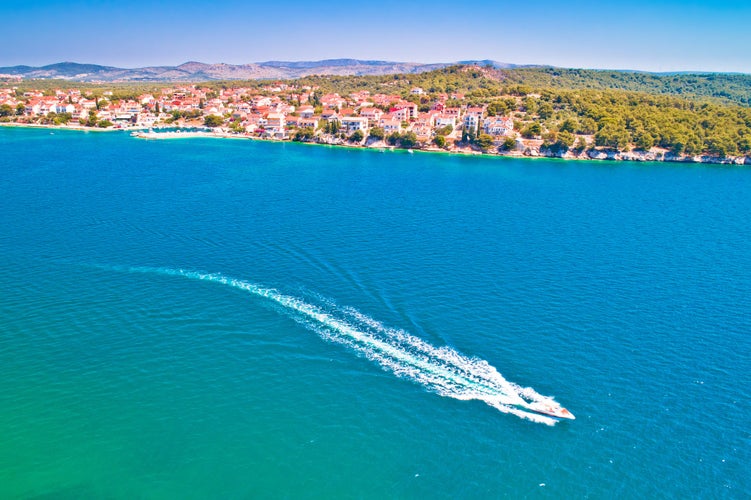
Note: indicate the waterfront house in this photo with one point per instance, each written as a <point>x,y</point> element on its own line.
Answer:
<point>472,119</point>
<point>32,107</point>
<point>104,114</point>
<point>292,121</point>
<point>372,114</point>
<point>46,107</point>
<point>354,123</point>
<point>499,126</point>
<point>427,119</point>
<point>444,120</point>
<point>471,123</point>
<point>253,121</point>
<point>423,131</point>
<point>309,122</point>
<point>62,107</point>
<point>390,125</point>
<point>275,123</point>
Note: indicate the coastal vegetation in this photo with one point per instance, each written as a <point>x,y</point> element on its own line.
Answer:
<point>554,111</point>
<point>212,121</point>
<point>621,120</point>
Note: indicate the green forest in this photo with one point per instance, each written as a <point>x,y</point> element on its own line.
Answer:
<point>727,87</point>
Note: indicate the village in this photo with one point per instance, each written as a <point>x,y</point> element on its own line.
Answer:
<point>279,111</point>
<point>411,119</point>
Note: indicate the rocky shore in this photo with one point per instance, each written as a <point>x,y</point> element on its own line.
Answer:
<point>636,155</point>
<point>533,151</point>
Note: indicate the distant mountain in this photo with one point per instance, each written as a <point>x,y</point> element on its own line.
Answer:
<point>197,71</point>
<point>327,63</point>
<point>494,64</point>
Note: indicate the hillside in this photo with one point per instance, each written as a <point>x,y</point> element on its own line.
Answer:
<point>485,81</point>
<point>552,109</point>
<point>727,86</point>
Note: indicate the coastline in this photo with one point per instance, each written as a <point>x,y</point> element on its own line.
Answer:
<point>589,155</point>
<point>62,127</point>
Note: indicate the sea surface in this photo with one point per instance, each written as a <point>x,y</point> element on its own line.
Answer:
<point>208,318</point>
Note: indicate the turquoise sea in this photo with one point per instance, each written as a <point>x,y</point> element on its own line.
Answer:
<point>207,318</point>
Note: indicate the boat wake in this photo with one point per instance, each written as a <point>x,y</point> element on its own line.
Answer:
<point>442,370</point>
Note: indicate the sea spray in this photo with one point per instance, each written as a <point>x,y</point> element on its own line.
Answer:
<point>441,370</point>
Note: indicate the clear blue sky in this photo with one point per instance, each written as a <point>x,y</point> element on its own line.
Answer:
<point>653,35</point>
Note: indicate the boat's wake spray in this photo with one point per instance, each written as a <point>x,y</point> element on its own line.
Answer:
<point>442,370</point>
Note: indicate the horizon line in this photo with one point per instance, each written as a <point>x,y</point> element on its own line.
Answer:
<point>386,61</point>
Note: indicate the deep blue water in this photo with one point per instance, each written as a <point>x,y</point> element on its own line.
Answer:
<point>355,298</point>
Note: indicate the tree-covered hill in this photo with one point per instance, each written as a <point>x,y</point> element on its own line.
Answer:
<point>730,87</point>
<point>482,81</point>
<point>620,120</point>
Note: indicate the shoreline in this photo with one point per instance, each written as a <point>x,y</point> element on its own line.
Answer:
<point>589,155</point>
<point>63,127</point>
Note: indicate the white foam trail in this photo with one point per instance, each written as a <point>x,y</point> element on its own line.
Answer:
<point>439,369</point>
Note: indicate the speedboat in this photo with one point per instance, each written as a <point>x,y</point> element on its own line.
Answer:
<point>550,408</point>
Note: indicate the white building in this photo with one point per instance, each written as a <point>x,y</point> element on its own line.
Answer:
<point>472,120</point>
<point>391,126</point>
<point>64,108</point>
<point>499,126</point>
<point>306,111</point>
<point>445,120</point>
<point>275,123</point>
<point>354,123</point>
<point>372,114</point>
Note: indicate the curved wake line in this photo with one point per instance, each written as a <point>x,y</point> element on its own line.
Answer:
<point>442,370</point>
